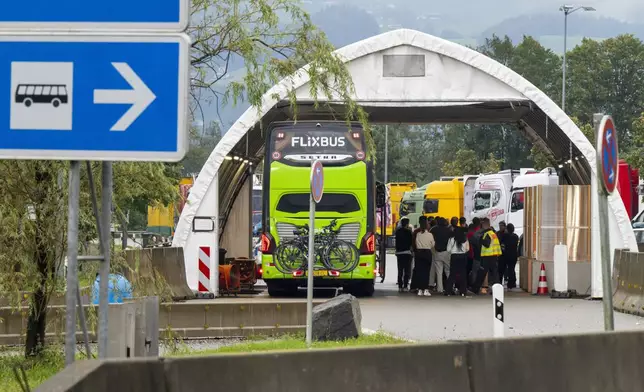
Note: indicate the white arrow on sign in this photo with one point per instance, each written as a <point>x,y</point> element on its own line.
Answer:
<point>140,97</point>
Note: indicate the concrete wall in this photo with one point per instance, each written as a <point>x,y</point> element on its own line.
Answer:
<point>153,270</point>
<point>610,362</point>
<point>628,282</point>
<point>194,319</point>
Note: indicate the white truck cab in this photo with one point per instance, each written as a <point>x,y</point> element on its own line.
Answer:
<point>499,196</point>
<point>492,195</point>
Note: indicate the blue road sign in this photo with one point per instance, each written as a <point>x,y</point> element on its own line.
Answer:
<point>167,15</point>
<point>317,181</point>
<point>94,97</point>
<point>608,154</point>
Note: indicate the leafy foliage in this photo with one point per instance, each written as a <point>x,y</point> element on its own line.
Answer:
<point>602,77</point>
<point>273,39</point>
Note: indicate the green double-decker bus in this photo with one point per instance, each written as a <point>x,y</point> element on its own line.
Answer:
<point>349,198</point>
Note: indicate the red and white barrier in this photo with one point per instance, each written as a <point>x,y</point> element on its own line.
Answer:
<point>204,269</point>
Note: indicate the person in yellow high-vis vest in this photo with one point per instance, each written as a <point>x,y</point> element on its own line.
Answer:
<point>490,252</point>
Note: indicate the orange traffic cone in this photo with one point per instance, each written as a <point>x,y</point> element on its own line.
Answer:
<point>542,289</point>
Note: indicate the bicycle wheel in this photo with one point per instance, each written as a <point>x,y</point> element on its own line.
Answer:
<point>341,256</point>
<point>289,257</point>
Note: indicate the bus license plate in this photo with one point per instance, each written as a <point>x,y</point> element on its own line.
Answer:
<point>320,273</point>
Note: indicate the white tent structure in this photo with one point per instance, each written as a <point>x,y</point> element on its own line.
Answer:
<point>399,76</point>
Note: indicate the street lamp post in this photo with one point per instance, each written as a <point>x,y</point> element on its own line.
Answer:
<point>567,10</point>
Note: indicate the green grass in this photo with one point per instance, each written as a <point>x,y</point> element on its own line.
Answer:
<point>294,342</point>
<point>38,369</point>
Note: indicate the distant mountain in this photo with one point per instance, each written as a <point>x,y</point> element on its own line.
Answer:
<point>552,24</point>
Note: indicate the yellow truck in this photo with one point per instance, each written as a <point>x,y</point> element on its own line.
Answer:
<point>442,198</point>
<point>395,190</point>
<point>161,219</point>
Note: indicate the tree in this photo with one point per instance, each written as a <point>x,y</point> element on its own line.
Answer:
<point>635,156</point>
<point>614,70</point>
<point>467,162</point>
<point>202,142</point>
<point>274,38</point>
<point>33,216</point>
<point>32,205</point>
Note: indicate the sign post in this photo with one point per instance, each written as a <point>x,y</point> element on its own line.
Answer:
<point>317,190</point>
<point>607,158</point>
<point>105,81</point>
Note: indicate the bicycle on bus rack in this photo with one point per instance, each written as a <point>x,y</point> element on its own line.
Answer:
<point>331,252</point>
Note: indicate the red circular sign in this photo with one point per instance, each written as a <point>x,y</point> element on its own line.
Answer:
<point>277,156</point>
<point>317,181</point>
<point>360,155</point>
<point>607,152</point>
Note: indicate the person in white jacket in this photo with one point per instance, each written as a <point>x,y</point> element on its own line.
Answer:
<point>458,248</point>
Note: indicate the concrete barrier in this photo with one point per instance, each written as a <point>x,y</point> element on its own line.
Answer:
<point>628,280</point>
<point>150,268</point>
<point>194,319</point>
<point>575,363</point>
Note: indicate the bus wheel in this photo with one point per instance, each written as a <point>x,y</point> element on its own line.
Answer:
<point>56,102</point>
<point>279,289</point>
<point>27,102</point>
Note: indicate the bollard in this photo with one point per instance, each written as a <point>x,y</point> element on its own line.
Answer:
<point>499,317</point>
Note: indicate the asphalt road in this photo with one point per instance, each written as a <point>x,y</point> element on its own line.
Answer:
<point>451,318</point>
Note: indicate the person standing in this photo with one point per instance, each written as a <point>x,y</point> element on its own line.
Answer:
<point>500,234</point>
<point>475,226</point>
<point>423,257</point>
<point>490,252</point>
<point>453,223</point>
<point>414,274</point>
<point>442,234</point>
<point>508,262</point>
<point>403,254</point>
<point>458,248</point>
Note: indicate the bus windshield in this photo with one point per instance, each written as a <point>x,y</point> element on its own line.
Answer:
<point>304,143</point>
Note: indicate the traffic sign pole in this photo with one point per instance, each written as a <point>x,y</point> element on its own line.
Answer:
<point>309,276</point>
<point>72,262</point>
<point>106,219</point>
<point>317,190</point>
<point>607,158</point>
